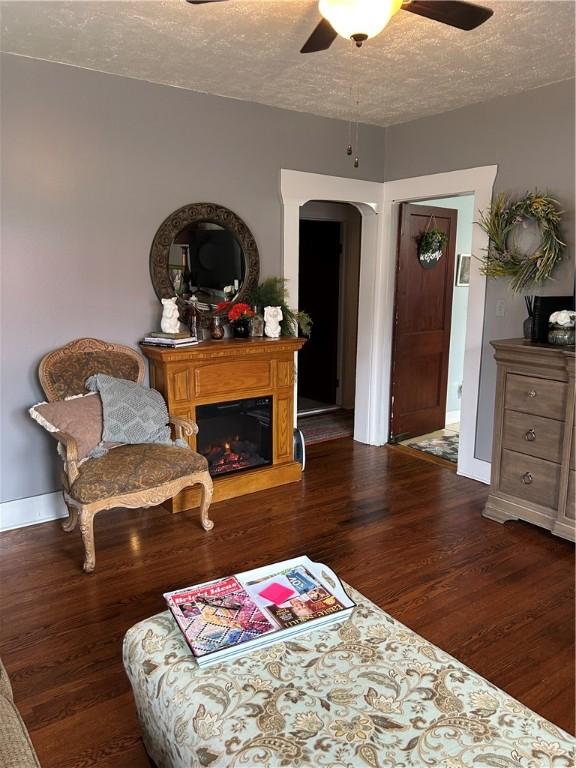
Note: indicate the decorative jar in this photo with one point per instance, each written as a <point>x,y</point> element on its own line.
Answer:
<point>561,327</point>
<point>217,328</point>
<point>561,335</point>
<point>257,324</point>
<point>241,328</point>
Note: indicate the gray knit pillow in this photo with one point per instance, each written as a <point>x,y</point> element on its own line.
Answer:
<point>132,413</point>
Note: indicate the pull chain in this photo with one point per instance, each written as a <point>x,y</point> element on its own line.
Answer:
<point>357,131</point>
<point>349,147</point>
<point>353,146</point>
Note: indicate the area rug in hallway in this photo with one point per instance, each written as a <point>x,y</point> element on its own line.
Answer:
<point>446,446</point>
<point>367,693</point>
<point>327,426</point>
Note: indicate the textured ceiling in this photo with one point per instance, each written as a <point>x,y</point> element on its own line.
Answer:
<point>249,49</point>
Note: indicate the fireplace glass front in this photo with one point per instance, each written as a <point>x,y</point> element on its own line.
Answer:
<point>235,435</point>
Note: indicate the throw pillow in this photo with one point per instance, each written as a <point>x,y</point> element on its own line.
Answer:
<point>80,416</point>
<point>133,413</point>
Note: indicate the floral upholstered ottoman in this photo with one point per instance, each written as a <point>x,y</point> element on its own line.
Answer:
<point>368,692</point>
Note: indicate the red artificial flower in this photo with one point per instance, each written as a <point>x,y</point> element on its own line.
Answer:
<point>240,312</point>
<point>223,306</point>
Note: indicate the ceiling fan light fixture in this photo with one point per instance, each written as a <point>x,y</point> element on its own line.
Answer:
<point>358,19</point>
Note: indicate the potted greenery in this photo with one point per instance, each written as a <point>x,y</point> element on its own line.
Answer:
<point>273,292</point>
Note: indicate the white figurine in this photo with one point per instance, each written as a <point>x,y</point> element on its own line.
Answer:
<point>272,317</point>
<point>170,322</point>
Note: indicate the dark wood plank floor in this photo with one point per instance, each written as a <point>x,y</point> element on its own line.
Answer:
<point>405,532</point>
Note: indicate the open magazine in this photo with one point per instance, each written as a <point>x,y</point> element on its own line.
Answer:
<point>224,618</point>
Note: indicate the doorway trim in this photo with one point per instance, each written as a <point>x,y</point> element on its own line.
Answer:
<point>299,187</point>
<point>378,204</point>
<point>479,182</point>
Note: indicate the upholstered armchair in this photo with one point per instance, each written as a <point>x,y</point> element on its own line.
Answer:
<point>131,476</point>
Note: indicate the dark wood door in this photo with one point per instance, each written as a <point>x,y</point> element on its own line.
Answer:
<point>423,311</point>
<point>319,295</point>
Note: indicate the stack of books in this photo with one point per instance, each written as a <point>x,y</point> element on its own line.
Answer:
<point>172,340</point>
<point>223,619</point>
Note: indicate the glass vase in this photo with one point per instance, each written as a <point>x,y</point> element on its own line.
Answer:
<point>257,324</point>
<point>561,336</point>
<point>216,328</point>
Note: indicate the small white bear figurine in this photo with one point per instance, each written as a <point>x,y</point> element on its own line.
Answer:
<point>170,322</point>
<point>272,317</point>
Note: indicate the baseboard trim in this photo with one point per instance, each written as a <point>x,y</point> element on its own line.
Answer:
<point>35,509</point>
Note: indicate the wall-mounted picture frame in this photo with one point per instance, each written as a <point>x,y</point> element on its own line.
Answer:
<point>463,270</point>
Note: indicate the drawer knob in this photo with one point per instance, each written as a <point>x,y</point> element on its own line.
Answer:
<point>530,436</point>
<point>527,478</point>
<point>532,393</point>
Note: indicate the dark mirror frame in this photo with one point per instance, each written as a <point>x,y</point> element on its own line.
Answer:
<point>189,214</point>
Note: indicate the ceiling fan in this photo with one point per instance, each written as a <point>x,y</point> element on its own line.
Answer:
<point>359,20</point>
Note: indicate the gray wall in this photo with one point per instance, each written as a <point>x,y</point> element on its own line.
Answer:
<point>531,138</point>
<point>465,207</point>
<point>92,164</point>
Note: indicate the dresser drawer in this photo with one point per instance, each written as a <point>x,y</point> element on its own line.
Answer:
<point>531,479</point>
<point>542,397</point>
<point>533,435</point>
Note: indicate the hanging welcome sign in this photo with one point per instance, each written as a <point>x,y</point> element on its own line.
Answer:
<point>431,247</point>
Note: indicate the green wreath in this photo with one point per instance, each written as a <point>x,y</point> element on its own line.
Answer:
<point>502,258</point>
<point>432,241</point>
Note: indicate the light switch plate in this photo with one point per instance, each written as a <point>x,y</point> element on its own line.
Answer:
<point>500,307</point>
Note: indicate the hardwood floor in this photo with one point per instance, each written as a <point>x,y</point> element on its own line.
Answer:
<point>405,532</point>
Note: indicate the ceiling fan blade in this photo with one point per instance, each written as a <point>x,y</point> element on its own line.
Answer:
<point>462,15</point>
<point>321,39</point>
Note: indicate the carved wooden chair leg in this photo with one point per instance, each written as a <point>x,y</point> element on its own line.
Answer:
<point>207,491</point>
<point>70,523</point>
<point>87,531</point>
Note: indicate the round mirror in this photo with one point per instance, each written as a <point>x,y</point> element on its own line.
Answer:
<point>207,260</point>
<point>207,251</point>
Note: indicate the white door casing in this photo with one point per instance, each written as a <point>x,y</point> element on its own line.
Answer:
<point>297,188</point>
<point>479,182</point>
<point>378,204</point>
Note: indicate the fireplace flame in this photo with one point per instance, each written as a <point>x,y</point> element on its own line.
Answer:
<point>232,454</point>
<point>235,435</point>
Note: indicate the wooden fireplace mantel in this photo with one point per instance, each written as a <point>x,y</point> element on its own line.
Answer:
<point>232,369</point>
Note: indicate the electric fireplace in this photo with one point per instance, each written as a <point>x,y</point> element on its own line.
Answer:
<point>226,373</point>
<point>235,435</point>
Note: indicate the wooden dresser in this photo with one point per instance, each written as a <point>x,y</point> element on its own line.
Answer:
<point>533,472</point>
<point>217,371</point>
